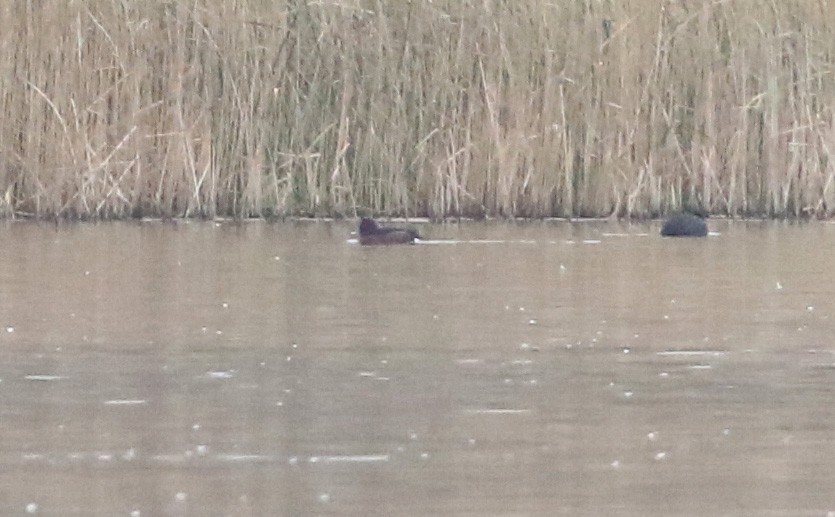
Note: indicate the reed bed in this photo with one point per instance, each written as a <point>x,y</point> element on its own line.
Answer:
<point>517,108</point>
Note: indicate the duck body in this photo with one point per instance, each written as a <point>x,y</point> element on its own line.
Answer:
<point>372,234</point>
<point>684,225</point>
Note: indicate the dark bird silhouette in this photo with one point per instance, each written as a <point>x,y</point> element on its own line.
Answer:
<point>371,233</point>
<point>684,225</point>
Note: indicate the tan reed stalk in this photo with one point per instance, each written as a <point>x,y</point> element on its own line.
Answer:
<point>445,108</point>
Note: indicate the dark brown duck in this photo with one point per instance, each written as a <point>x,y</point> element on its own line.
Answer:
<point>370,233</point>
<point>684,225</point>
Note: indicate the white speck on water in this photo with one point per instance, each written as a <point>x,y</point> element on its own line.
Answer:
<point>518,362</point>
<point>32,508</point>
<point>181,496</point>
<point>86,273</point>
<point>276,258</point>
<point>569,346</point>
<point>666,316</point>
<point>615,464</point>
<point>289,358</point>
<point>424,455</point>
<point>524,346</point>
<point>129,454</point>
<point>660,456</point>
<point>508,382</point>
<point>135,513</point>
<point>279,403</point>
<point>204,329</point>
<point>628,394</point>
<point>218,332</point>
<point>532,382</point>
<point>591,241</point>
<point>810,308</point>
<point>471,441</point>
<point>202,450</point>
<point>262,363</point>
<point>293,460</point>
<point>726,431</point>
<point>532,322</point>
<point>562,268</point>
<point>626,350</point>
<point>324,498</point>
<point>663,375</point>
<point>104,456</point>
<point>700,367</point>
<point>195,427</point>
<point>779,286</point>
<point>413,435</point>
<point>225,305</point>
<point>521,309</point>
<point>10,330</point>
<point>435,316</point>
<point>220,374</point>
<point>295,345</point>
<point>125,402</point>
<point>652,436</point>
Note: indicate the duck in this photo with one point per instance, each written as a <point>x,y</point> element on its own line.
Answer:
<point>684,225</point>
<point>371,233</point>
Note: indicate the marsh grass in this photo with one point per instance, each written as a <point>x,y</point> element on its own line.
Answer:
<point>528,108</point>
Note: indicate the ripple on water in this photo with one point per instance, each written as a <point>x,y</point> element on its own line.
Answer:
<point>497,411</point>
<point>713,353</point>
<point>220,374</point>
<point>43,378</point>
<point>125,402</point>
<point>352,458</point>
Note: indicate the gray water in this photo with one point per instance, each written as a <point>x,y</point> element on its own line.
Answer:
<point>499,369</point>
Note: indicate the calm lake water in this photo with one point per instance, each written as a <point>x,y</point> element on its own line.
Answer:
<point>518,369</point>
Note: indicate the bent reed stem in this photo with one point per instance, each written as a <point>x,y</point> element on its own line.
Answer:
<point>255,108</point>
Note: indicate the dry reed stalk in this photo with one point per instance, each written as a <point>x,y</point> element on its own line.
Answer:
<point>452,107</point>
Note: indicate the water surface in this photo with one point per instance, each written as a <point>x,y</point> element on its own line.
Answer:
<point>499,369</point>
